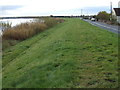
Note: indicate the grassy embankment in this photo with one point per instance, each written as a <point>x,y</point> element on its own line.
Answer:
<point>71,54</point>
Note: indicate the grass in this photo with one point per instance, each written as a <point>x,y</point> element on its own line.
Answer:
<point>73,54</point>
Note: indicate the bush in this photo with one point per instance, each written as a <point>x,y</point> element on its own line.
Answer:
<point>103,15</point>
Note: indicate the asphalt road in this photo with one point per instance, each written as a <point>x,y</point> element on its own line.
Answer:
<point>112,28</point>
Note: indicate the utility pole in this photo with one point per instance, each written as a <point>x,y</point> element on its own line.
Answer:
<point>110,10</point>
<point>81,11</point>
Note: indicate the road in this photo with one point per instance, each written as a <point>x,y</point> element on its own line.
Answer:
<point>112,28</point>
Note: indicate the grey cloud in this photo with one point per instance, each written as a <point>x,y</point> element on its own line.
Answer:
<point>10,7</point>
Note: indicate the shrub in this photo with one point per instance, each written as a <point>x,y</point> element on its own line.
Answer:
<point>103,15</point>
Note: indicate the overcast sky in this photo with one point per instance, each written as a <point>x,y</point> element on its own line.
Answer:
<point>54,7</point>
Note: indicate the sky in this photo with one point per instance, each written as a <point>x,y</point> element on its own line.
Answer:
<point>54,7</point>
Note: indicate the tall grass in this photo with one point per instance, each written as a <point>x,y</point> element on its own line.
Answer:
<point>5,25</point>
<point>26,30</point>
<point>50,22</point>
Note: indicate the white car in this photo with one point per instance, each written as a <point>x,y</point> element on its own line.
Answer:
<point>92,19</point>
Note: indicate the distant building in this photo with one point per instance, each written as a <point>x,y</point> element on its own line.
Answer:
<point>118,18</point>
<point>117,11</point>
<point>114,14</point>
<point>0,33</point>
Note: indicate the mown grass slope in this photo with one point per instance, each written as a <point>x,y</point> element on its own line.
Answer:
<point>71,54</point>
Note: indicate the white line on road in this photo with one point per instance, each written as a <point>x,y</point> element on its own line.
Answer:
<point>104,26</point>
<point>95,24</point>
